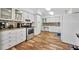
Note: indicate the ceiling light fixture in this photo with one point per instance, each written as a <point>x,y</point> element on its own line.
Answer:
<point>48,9</point>
<point>51,13</point>
<point>70,11</point>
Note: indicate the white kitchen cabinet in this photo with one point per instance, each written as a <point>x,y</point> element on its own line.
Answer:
<point>13,14</point>
<point>52,24</point>
<point>38,25</point>
<point>27,15</point>
<point>22,36</point>
<point>70,28</point>
<point>9,38</point>
<point>5,46</point>
<point>6,13</point>
<point>52,19</point>
<point>54,29</point>
<point>18,14</point>
<point>4,40</point>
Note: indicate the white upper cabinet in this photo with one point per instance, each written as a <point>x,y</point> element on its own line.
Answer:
<point>52,24</point>
<point>31,17</point>
<point>25,15</point>
<point>38,25</point>
<point>18,14</point>
<point>28,16</point>
<point>6,13</point>
<point>11,14</point>
<point>53,19</point>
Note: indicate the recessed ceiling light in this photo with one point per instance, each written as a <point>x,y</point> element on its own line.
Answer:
<point>70,11</point>
<point>51,13</point>
<point>48,9</point>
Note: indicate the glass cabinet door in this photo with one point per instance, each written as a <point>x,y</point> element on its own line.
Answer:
<point>18,15</point>
<point>6,13</point>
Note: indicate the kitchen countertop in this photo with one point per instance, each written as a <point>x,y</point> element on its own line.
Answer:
<point>9,29</point>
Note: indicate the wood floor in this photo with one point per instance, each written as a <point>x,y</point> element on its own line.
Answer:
<point>43,41</point>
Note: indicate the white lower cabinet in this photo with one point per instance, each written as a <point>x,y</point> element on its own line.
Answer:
<point>11,38</point>
<point>5,46</point>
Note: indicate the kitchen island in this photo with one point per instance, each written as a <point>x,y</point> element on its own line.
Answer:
<point>11,37</point>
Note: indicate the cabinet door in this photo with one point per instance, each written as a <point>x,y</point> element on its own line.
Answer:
<point>54,29</point>
<point>12,38</point>
<point>53,19</point>
<point>38,26</point>
<point>23,34</point>
<point>4,41</point>
<point>6,13</point>
<point>4,35</point>
<point>5,46</point>
<point>20,35</point>
<point>18,14</point>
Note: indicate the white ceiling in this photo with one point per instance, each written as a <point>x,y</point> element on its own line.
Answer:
<point>57,11</point>
<point>62,11</point>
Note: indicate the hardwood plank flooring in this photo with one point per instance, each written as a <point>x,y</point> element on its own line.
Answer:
<point>43,41</point>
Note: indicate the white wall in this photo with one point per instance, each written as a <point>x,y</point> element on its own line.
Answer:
<point>69,28</point>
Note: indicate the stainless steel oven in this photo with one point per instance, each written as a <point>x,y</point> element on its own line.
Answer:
<point>29,33</point>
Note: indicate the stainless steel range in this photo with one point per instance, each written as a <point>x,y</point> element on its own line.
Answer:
<point>29,29</point>
<point>29,32</point>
